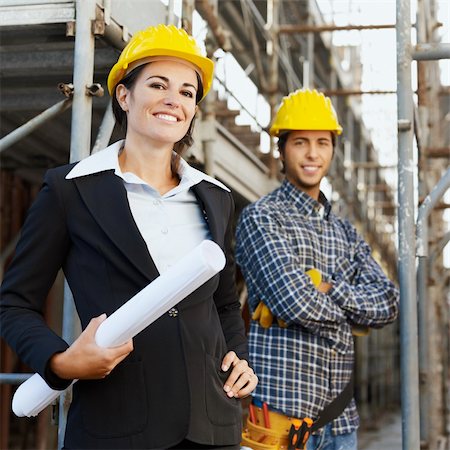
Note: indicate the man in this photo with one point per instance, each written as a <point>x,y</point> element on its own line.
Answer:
<point>304,358</point>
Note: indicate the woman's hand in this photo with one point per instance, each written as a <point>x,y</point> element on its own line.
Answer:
<point>242,380</point>
<point>84,359</point>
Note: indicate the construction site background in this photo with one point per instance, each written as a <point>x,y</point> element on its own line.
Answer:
<point>55,56</point>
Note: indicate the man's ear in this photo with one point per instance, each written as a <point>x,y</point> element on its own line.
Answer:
<point>122,96</point>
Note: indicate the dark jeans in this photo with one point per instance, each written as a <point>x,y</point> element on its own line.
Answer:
<point>186,445</point>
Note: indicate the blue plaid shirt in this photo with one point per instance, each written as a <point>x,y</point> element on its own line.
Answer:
<point>303,367</point>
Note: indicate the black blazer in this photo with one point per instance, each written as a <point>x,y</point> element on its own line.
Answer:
<point>171,386</point>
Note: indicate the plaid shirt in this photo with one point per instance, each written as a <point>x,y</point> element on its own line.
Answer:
<point>303,367</point>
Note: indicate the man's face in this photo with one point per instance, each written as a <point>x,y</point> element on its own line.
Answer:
<point>307,157</point>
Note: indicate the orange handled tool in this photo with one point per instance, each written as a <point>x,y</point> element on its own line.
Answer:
<point>251,411</point>
<point>265,409</point>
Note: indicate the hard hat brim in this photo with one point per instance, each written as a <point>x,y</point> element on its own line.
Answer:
<point>275,131</point>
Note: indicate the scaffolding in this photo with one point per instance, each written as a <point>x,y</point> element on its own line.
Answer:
<point>284,45</point>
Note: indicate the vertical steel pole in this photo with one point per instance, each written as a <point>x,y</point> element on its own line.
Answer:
<point>80,142</point>
<point>422,272</point>
<point>209,135</point>
<point>171,13</point>
<point>187,13</point>
<point>83,72</point>
<point>428,406</point>
<point>424,346</point>
<point>106,129</point>
<point>273,54</point>
<point>407,262</point>
<point>310,50</point>
<point>361,184</point>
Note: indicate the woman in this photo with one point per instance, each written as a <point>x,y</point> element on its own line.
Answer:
<point>113,222</point>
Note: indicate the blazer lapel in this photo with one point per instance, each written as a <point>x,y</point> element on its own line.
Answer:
<point>106,199</point>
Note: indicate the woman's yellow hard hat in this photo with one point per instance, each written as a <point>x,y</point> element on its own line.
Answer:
<point>162,40</point>
<point>305,109</point>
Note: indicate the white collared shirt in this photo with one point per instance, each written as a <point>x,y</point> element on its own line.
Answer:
<point>171,224</point>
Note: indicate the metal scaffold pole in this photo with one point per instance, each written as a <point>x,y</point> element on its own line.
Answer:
<point>273,52</point>
<point>83,73</point>
<point>80,142</point>
<point>27,128</point>
<point>407,263</point>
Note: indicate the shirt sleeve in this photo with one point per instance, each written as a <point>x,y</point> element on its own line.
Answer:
<point>39,255</point>
<point>362,290</point>
<point>273,271</point>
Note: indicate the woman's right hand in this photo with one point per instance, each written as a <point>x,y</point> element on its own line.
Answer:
<point>84,359</point>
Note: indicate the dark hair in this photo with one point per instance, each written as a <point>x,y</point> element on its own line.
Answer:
<point>121,116</point>
<point>281,144</point>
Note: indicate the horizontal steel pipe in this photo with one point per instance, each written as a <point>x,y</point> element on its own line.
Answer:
<point>14,378</point>
<point>31,125</point>
<point>430,52</point>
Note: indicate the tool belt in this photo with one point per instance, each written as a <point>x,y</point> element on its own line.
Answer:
<point>284,432</point>
<point>270,430</point>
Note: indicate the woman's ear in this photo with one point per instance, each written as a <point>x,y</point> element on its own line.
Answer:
<point>122,96</point>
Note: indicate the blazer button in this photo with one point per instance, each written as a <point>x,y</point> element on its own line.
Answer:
<point>173,312</point>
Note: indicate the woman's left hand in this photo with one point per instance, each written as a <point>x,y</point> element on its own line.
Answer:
<point>242,380</point>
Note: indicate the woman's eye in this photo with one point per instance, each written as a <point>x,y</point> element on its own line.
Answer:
<point>188,94</point>
<point>157,86</point>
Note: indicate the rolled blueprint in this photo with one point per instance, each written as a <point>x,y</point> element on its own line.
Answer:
<point>32,396</point>
<point>163,293</point>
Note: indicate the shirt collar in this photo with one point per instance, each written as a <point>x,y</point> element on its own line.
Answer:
<point>196,176</point>
<point>107,159</point>
<point>306,204</point>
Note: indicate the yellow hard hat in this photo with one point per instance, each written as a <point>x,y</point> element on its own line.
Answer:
<point>162,40</point>
<point>305,109</point>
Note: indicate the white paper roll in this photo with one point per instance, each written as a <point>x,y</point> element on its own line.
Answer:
<point>162,294</point>
<point>172,286</point>
<point>32,396</point>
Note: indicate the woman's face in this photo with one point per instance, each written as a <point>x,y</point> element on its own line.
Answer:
<point>161,104</point>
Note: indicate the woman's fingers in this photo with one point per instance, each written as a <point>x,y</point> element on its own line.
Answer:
<point>119,353</point>
<point>229,360</point>
<point>242,380</point>
<point>248,386</point>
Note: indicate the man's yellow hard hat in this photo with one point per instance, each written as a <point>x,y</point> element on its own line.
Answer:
<point>305,109</point>
<point>162,40</point>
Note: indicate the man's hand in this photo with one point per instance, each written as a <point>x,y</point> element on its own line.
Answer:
<point>84,359</point>
<point>242,380</point>
<point>324,287</point>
